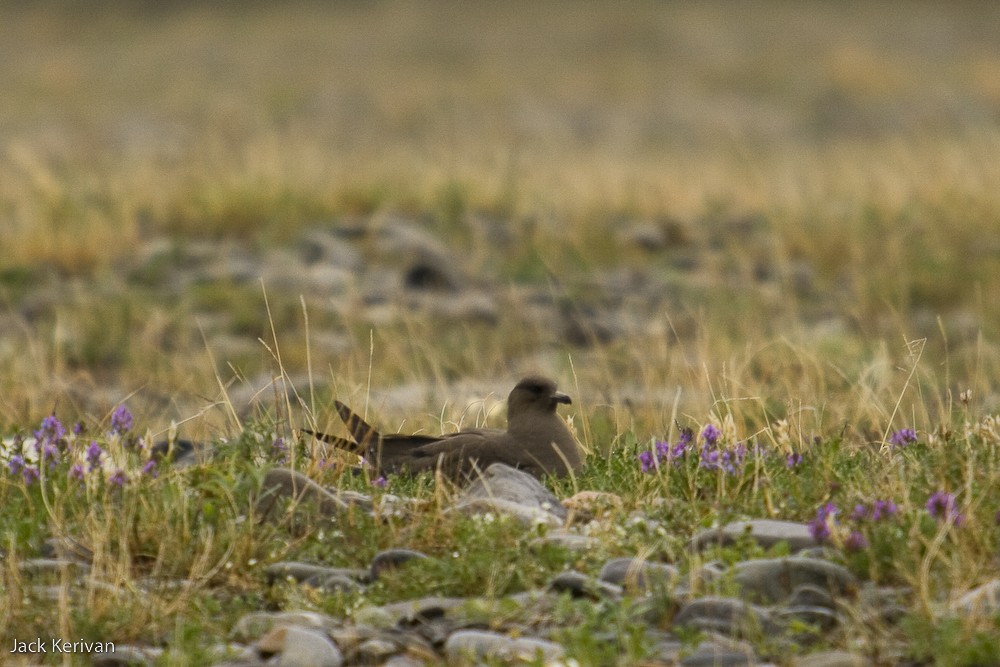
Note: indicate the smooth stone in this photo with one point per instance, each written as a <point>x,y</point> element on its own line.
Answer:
<point>983,600</point>
<point>831,659</point>
<point>126,656</point>
<point>282,483</point>
<point>717,654</point>
<point>564,540</point>
<point>253,625</point>
<point>637,575</point>
<point>811,596</point>
<point>482,645</point>
<point>771,580</point>
<point>296,646</point>
<point>502,482</point>
<point>765,532</point>
<point>728,616</point>
<point>823,618</point>
<point>374,651</point>
<point>407,611</point>
<point>579,585</point>
<point>391,559</point>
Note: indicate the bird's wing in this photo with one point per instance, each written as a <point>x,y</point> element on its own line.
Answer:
<point>339,443</point>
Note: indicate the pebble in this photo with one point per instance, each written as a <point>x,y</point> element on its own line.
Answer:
<point>765,532</point>
<point>638,576</point>
<point>476,645</point>
<point>771,580</point>
<point>300,647</point>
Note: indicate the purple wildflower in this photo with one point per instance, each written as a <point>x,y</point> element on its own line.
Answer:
<point>279,450</point>
<point>78,428</point>
<point>709,458</point>
<point>121,420</point>
<point>118,478</point>
<point>859,513</point>
<point>883,509</point>
<point>76,472</point>
<point>856,541</point>
<point>50,431</point>
<point>50,453</point>
<point>16,464</point>
<point>150,468</point>
<point>793,460</point>
<point>31,473</point>
<point>941,506</point>
<point>94,454</point>
<point>648,461</point>
<point>820,526</point>
<point>710,434</point>
<point>903,437</point>
<point>380,482</point>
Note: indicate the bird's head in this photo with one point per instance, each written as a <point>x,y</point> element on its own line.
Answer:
<point>535,393</point>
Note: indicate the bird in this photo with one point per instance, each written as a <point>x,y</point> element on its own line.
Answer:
<point>536,440</point>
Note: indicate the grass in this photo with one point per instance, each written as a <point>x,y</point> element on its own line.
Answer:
<point>828,183</point>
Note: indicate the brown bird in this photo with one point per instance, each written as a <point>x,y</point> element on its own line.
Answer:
<point>536,440</point>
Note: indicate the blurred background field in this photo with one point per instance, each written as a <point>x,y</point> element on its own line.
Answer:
<point>788,210</point>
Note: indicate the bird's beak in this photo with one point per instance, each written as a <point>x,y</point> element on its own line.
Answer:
<point>559,397</point>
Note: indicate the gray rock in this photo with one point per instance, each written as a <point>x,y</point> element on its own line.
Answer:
<point>831,659</point>
<point>810,595</point>
<point>771,580</point>
<point>638,575</point>
<point>325,246</point>
<point>317,576</point>
<point>765,532</point>
<point>253,625</point>
<point>983,600</point>
<point>510,486</point>
<point>126,656</point>
<point>503,481</point>
<point>408,611</point>
<point>565,540</point>
<point>822,618</point>
<point>714,653</point>
<point>580,585</point>
<point>296,646</point>
<point>391,559</point>
<point>728,616</point>
<point>281,484</point>
<point>528,516</point>
<point>374,651</point>
<point>477,645</point>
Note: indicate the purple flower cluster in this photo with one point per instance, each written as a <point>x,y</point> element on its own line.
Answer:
<point>664,452</point>
<point>941,505</point>
<point>712,455</point>
<point>56,448</point>
<point>903,437</point>
<point>279,450</point>
<point>822,527</point>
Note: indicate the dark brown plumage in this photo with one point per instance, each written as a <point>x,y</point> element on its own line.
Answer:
<point>536,440</point>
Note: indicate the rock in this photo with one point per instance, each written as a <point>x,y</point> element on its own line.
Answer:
<point>67,549</point>
<point>317,576</point>
<point>464,646</point>
<point>391,559</point>
<point>981,601</point>
<point>580,585</point>
<point>296,646</point>
<point>507,483</point>
<point>765,532</point>
<point>714,653</point>
<point>771,580</point>
<point>253,625</point>
<point>565,540</point>
<point>823,618</point>
<point>408,611</point>
<point>125,655</point>
<point>637,575</point>
<point>831,659</point>
<point>374,651</point>
<point>326,247</point>
<point>729,616</point>
<point>810,595</point>
<point>586,505</point>
<point>506,490</point>
<point>282,483</point>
